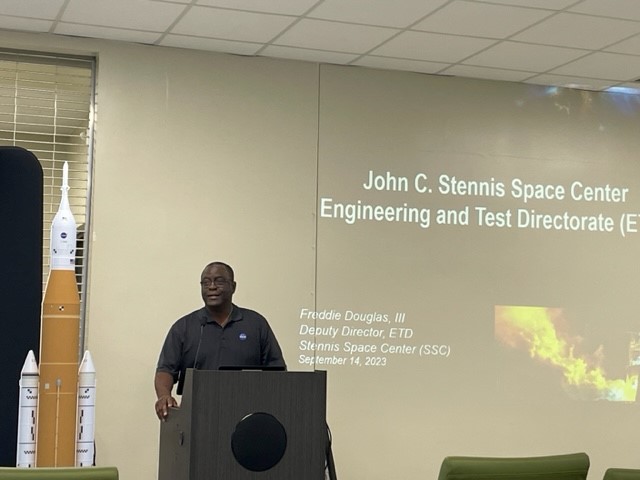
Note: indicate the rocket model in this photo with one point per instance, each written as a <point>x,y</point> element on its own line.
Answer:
<point>56,414</point>
<point>86,411</point>
<point>27,413</point>
<point>60,331</point>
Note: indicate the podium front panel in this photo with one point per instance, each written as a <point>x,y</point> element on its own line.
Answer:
<point>196,440</point>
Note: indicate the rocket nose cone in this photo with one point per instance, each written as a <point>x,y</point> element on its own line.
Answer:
<point>30,366</point>
<point>86,365</point>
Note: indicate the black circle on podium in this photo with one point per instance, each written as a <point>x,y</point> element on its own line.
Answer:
<point>258,442</point>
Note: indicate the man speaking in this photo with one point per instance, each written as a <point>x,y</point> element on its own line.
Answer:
<point>219,334</point>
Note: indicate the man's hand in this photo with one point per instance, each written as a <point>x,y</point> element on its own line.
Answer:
<point>163,383</point>
<point>163,404</point>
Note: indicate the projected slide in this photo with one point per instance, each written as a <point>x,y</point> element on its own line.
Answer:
<point>437,222</point>
<point>414,262</point>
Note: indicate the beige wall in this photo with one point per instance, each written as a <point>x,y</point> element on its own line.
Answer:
<point>200,156</point>
<point>213,148</point>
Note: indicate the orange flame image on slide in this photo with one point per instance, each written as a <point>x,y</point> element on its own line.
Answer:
<point>536,330</point>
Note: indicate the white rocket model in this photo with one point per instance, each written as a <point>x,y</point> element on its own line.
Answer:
<point>86,412</point>
<point>63,230</point>
<point>27,413</point>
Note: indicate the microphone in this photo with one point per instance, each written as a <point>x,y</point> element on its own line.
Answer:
<point>180,387</point>
<point>195,360</point>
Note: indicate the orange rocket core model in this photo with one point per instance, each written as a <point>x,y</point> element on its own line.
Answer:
<point>59,338</point>
<point>56,444</point>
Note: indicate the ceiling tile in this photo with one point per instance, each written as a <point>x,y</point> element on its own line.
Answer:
<point>609,8</point>
<point>210,44</point>
<point>376,12</point>
<point>524,56</point>
<point>231,24</point>
<point>106,33</point>
<point>284,7</point>
<point>608,66</point>
<point>338,37</point>
<point>630,46</point>
<point>433,47</point>
<point>571,82</point>
<point>481,19</point>
<point>580,31</point>
<point>486,73</point>
<point>569,41</point>
<point>548,4</point>
<point>137,14</point>
<point>400,64</point>
<point>318,56</point>
<point>44,9</point>
<point>28,24</point>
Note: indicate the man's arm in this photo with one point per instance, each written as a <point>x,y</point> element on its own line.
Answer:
<point>271,353</point>
<point>163,383</point>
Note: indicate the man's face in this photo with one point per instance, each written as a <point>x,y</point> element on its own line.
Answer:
<point>217,286</point>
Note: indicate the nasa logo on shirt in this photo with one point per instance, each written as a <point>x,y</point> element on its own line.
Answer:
<point>242,336</point>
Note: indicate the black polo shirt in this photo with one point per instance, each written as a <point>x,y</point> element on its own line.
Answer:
<point>246,339</point>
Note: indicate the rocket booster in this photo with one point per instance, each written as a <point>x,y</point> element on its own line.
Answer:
<point>60,331</point>
<point>28,406</point>
<point>86,411</point>
<point>27,412</point>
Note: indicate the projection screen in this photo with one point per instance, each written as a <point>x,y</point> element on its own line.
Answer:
<point>477,271</point>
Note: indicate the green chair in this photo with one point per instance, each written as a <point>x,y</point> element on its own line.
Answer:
<point>59,473</point>
<point>622,474</point>
<point>572,466</point>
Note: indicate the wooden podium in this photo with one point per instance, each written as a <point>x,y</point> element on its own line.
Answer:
<point>246,425</point>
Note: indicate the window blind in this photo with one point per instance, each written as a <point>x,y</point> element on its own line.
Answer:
<point>47,107</point>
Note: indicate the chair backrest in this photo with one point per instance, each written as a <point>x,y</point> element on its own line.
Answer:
<point>572,466</point>
<point>622,474</point>
<point>60,473</point>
